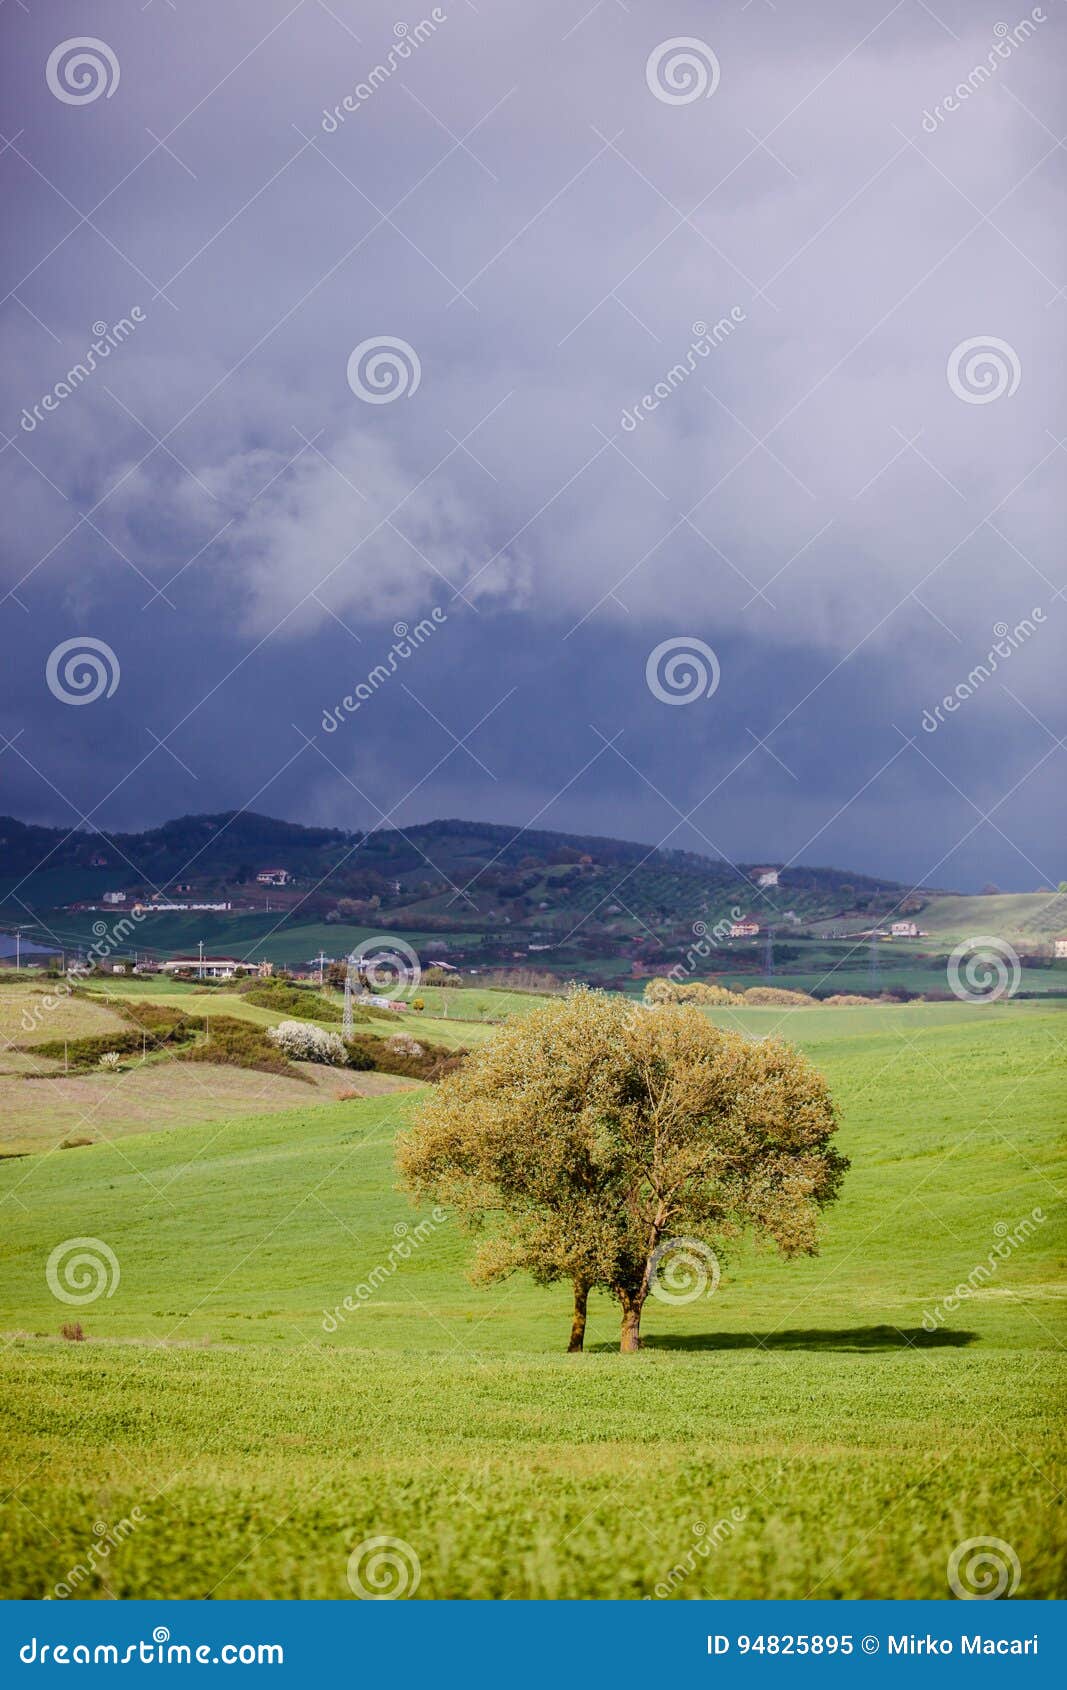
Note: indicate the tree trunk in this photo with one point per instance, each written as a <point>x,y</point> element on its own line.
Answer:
<point>630,1339</point>
<point>581,1300</point>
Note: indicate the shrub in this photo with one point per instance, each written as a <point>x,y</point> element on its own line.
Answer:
<point>86,1052</point>
<point>404,1045</point>
<point>840,1000</point>
<point>302,1001</point>
<point>519,980</point>
<point>240,1044</point>
<point>303,1041</point>
<point>111,1061</point>
<point>688,991</point>
<point>776,995</point>
<point>72,1331</point>
<point>160,1020</point>
<point>432,1062</point>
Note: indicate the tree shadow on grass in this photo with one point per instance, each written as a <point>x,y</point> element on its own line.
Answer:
<point>856,1338</point>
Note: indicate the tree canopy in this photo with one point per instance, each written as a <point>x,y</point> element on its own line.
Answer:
<point>585,1139</point>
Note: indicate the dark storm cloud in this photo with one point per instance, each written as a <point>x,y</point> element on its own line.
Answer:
<point>681,369</point>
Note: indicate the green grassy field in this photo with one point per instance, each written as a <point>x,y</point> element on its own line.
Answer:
<point>264,1432</point>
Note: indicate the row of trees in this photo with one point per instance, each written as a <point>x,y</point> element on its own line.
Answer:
<point>585,1137</point>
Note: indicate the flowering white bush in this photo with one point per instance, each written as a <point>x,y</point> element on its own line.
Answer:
<point>304,1041</point>
<point>110,1060</point>
<point>402,1044</point>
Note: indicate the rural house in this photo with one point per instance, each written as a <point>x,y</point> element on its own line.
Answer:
<point>273,876</point>
<point>903,930</point>
<point>746,928</point>
<point>766,876</point>
<point>209,967</point>
<point>1059,947</point>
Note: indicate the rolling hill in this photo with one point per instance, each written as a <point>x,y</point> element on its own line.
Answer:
<point>850,1425</point>
<point>481,894</point>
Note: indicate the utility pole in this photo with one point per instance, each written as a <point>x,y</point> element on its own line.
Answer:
<point>200,970</point>
<point>320,959</point>
<point>873,968</point>
<point>768,952</point>
<point>346,1019</point>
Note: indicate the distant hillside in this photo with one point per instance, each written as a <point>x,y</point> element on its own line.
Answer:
<point>494,867</point>
<point>486,896</point>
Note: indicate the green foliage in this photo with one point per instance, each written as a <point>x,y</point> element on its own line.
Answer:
<point>663,990</point>
<point>432,1063</point>
<point>239,1044</point>
<point>589,1137</point>
<point>86,1052</point>
<point>302,1001</point>
<point>772,996</point>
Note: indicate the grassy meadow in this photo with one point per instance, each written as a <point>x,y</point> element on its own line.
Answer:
<point>263,1431</point>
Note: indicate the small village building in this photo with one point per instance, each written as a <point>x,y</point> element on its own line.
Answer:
<point>208,967</point>
<point>903,930</point>
<point>157,905</point>
<point>746,928</point>
<point>1059,947</point>
<point>114,897</point>
<point>273,876</point>
<point>766,876</point>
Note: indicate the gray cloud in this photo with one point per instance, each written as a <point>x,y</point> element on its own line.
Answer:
<point>812,498</point>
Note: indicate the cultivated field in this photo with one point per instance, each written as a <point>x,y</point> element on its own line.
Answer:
<point>847,1446</point>
<point>43,1107</point>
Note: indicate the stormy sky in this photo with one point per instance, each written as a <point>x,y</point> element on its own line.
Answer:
<point>594,328</point>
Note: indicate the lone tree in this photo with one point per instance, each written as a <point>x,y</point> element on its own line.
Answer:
<point>587,1140</point>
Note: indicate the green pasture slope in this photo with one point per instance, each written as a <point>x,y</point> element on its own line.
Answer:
<point>845,1449</point>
